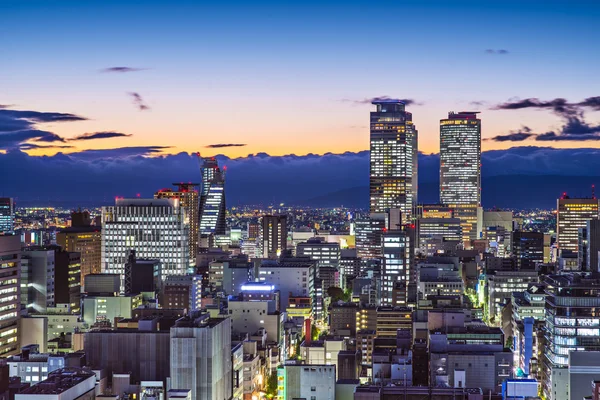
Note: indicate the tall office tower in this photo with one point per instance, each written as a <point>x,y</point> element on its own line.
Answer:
<point>571,215</point>
<point>156,229</point>
<point>572,325</point>
<point>201,357</point>
<point>273,235</point>
<point>434,211</point>
<point>460,168</point>
<point>188,199</point>
<point>7,215</point>
<point>593,245</point>
<point>67,278</point>
<point>10,295</point>
<point>326,254</point>
<point>396,265</point>
<point>212,199</point>
<point>528,248</point>
<point>393,165</point>
<point>85,239</point>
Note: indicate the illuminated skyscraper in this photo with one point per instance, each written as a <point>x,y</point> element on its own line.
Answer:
<point>571,215</point>
<point>460,168</point>
<point>188,198</point>
<point>212,199</point>
<point>273,235</point>
<point>394,148</point>
<point>7,215</point>
<point>10,281</point>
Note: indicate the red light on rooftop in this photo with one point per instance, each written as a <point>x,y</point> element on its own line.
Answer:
<point>138,195</point>
<point>224,167</point>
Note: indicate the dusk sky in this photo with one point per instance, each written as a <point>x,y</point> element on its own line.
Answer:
<point>283,77</point>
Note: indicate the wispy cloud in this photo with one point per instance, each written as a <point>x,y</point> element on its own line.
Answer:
<point>139,101</point>
<point>496,51</point>
<point>34,146</point>
<point>100,135</point>
<point>370,100</point>
<point>220,145</point>
<point>122,69</point>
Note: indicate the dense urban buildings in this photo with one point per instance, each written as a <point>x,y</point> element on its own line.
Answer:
<point>393,162</point>
<point>460,168</point>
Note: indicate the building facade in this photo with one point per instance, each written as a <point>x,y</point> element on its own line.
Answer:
<point>10,294</point>
<point>571,215</point>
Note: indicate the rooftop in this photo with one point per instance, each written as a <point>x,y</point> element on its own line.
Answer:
<point>60,381</point>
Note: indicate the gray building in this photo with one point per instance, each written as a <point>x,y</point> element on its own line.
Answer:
<point>368,232</point>
<point>325,253</point>
<point>273,235</point>
<point>593,245</point>
<point>143,352</point>
<point>291,278</point>
<point>37,276</point>
<point>303,381</point>
<point>7,214</point>
<point>201,357</point>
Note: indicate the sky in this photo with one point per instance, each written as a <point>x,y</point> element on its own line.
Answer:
<point>291,77</point>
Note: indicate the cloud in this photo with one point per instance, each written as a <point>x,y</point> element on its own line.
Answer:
<point>33,146</point>
<point>514,136</point>
<point>3,106</point>
<point>496,51</point>
<point>117,153</point>
<point>100,135</point>
<point>370,100</point>
<point>219,145</point>
<point>20,126</point>
<point>139,101</point>
<point>591,102</point>
<point>559,106</point>
<point>122,69</point>
<point>478,103</point>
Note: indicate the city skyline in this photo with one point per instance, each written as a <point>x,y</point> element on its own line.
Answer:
<point>198,80</point>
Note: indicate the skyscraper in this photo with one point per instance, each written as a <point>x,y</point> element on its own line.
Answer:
<point>460,168</point>
<point>393,166</point>
<point>10,295</point>
<point>572,214</point>
<point>7,215</point>
<point>189,200</point>
<point>155,228</point>
<point>212,199</point>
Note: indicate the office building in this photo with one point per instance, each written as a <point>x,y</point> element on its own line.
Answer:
<point>109,308</point>
<point>306,381</point>
<point>324,253</point>
<point>593,245</point>
<point>396,266</point>
<point>10,294</point>
<point>63,384</point>
<point>141,275</point>
<point>501,285</point>
<point>460,168</point>
<point>572,324</point>
<point>528,248</point>
<point>572,214</point>
<point>249,316</point>
<point>83,238</point>
<point>187,194</point>
<point>212,199</point>
<point>37,278</point>
<point>182,291</point>
<point>369,233</point>
<point>7,215</point>
<point>229,274</point>
<point>393,159</point>
<point>67,279</point>
<point>201,357</point>
<point>437,230</point>
<point>391,319</point>
<point>156,229</point>
<point>273,235</point>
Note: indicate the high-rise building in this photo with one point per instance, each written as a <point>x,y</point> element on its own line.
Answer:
<point>273,235</point>
<point>7,215</point>
<point>67,276</point>
<point>528,248</point>
<point>212,199</point>
<point>460,168</point>
<point>83,238</point>
<point>396,265</point>
<point>571,215</point>
<point>393,159</point>
<point>201,357</point>
<point>189,200</point>
<point>368,233</point>
<point>37,277</point>
<point>156,229</point>
<point>10,282</point>
<point>326,254</point>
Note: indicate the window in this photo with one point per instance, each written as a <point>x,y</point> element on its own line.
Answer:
<point>313,388</point>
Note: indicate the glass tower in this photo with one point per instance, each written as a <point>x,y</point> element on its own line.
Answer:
<point>460,168</point>
<point>7,215</point>
<point>393,166</point>
<point>212,199</point>
<point>571,215</point>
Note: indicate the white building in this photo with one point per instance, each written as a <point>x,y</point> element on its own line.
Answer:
<point>37,279</point>
<point>63,384</point>
<point>156,229</point>
<point>326,254</point>
<point>250,316</point>
<point>305,381</point>
<point>295,278</point>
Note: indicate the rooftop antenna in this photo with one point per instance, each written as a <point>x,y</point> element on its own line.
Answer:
<point>593,191</point>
